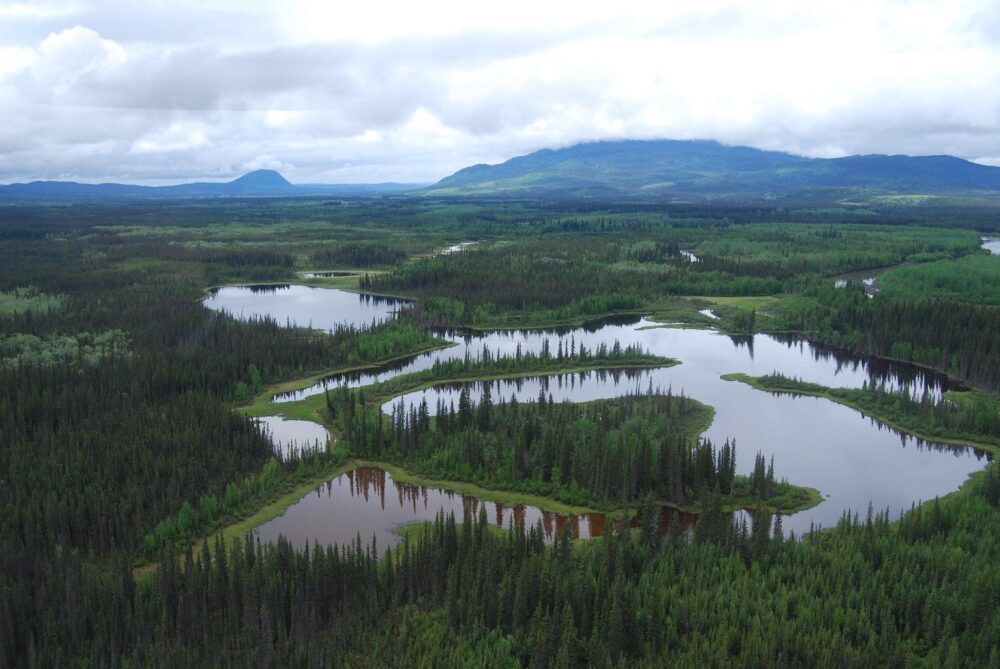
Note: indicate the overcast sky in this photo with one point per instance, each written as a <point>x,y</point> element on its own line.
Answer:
<point>367,91</point>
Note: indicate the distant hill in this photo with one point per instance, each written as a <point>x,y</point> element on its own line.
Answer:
<point>259,183</point>
<point>634,169</point>
<point>663,167</point>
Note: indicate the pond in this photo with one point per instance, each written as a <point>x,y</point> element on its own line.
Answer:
<point>992,244</point>
<point>456,248</point>
<point>851,459</point>
<point>303,306</point>
<point>867,278</point>
<point>370,502</point>
<point>326,275</point>
<point>292,437</point>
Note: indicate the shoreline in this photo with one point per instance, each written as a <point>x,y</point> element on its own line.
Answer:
<point>753,382</point>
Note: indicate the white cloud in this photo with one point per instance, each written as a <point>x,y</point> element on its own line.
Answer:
<point>68,66</point>
<point>14,59</point>
<point>386,91</point>
<point>178,136</point>
<point>38,9</point>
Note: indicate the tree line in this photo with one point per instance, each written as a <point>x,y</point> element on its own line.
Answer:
<point>873,593</point>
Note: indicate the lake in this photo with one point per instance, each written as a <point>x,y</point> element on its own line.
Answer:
<point>851,459</point>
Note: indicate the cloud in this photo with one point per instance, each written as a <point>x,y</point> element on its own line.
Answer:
<point>178,136</point>
<point>372,92</point>
<point>74,61</point>
<point>38,10</point>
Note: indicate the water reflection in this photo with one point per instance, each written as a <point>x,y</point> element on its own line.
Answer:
<point>368,502</point>
<point>303,306</point>
<point>850,458</point>
<point>326,275</point>
<point>790,355</point>
<point>293,438</point>
<point>456,248</point>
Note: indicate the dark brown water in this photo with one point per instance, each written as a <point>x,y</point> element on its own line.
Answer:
<point>368,502</point>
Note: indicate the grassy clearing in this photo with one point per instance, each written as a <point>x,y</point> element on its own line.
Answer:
<point>789,499</point>
<point>758,302</point>
<point>683,311</point>
<point>686,312</point>
<point>29,299</point>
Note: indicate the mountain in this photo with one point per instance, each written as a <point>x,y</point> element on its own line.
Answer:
<point>261,180</point>
<point>635,169</point>
<point>664,167</point>
<point>259,183</point>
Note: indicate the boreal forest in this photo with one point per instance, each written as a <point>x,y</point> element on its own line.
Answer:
<point>399,430</point>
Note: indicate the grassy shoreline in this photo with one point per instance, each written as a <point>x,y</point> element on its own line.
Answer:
<point>271,509</point>
<point>418,385</point>
<point>311,408</point>
<point>817,390</point>
<point>552,324</point>
<point>505,497</point>
<point>280,503</point>
<point>283,499</point>
<point>261,405</point>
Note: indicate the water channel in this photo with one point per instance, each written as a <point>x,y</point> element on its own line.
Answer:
<point>851,459</point>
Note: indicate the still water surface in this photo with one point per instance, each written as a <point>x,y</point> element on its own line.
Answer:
<point>303,306</point>
<point>293,437</point>
<point>851,459</point>
<point>368,502</point>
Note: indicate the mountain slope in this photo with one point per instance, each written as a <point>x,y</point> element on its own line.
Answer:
<point>252,184</point>
<point>660,167</point>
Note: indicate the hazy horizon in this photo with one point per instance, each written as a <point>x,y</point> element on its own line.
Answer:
<point>182,181</point>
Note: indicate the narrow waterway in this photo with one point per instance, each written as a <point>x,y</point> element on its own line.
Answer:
<point>851,459</point>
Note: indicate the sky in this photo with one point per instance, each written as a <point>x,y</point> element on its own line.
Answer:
<point>165,91</point>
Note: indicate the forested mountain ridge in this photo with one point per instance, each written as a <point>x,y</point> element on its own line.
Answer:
<point>645,169</point>
<point>662,167</point>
